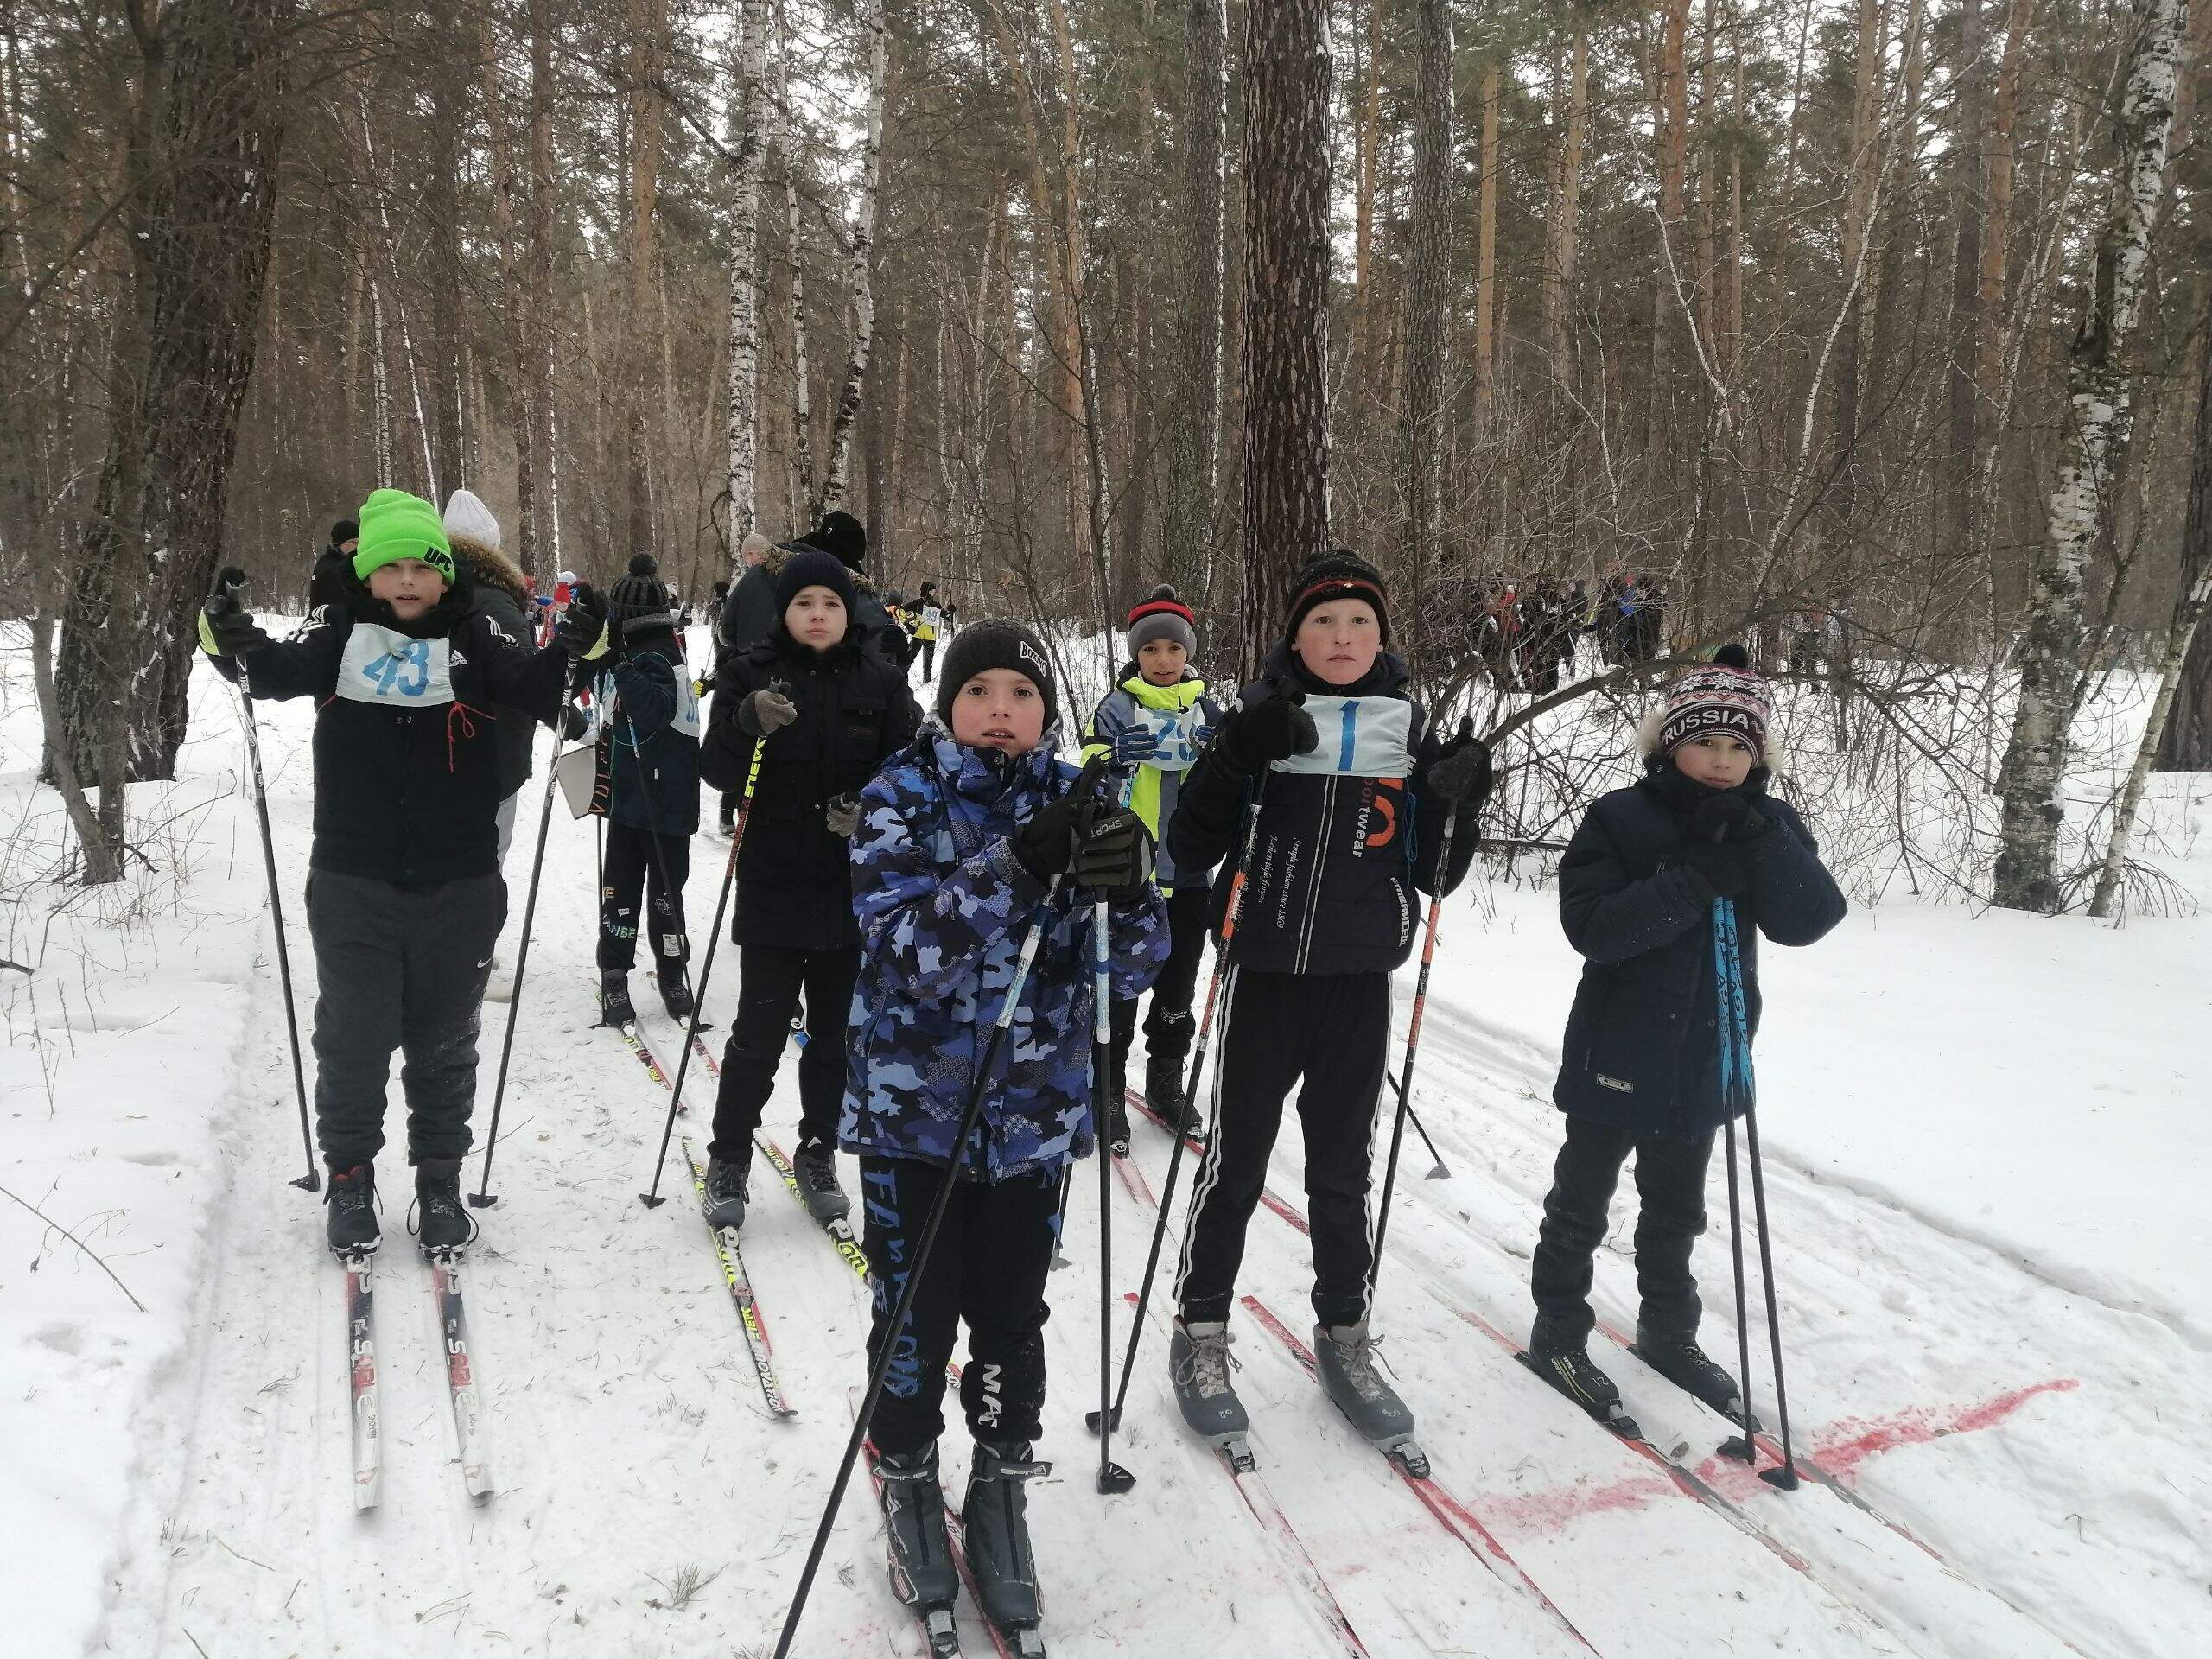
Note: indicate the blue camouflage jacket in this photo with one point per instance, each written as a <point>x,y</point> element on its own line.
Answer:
<point>944,907</point>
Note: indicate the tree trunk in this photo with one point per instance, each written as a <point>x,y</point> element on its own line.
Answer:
<point>1286,305</point>
<point>1557,299</point>
<point>1865,165</point>
<point>2100,384</point>
<point>1670,124</point>
<point>1187,530</point>
<point>749,117</point>
<point>1428,253</point>
<point>541,506</point>
<point>1367,147</point>
<point>2195,598</point>
<point>1958,525</point>
<point>648,25</point>
<point>1486,363</point>
<point>446,75</point>
<point>860,306</point>
<point>802,455</point>
<point>206,251</point>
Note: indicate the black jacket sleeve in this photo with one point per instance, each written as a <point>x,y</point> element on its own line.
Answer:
<point>901,721</point>
<point>726,751</point>
<point>644,694</point>
<point>1430,814</point>
<point>1207,809</point>
<point>1608,917</point>
<point>303,666</point>
<point>1793,897</point>
<point>535,682</point>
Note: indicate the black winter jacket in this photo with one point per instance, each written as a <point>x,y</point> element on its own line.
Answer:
<point>499,593</point>
<point>794,876</point>
<point>1331,889</point>
<point>648,737</point>
<point>406,791</point>
<point>326,586</point>
<point>1642,1049</point>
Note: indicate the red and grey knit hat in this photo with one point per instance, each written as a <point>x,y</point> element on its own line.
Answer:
<point>1722,698</point>
<point>1339,573</point>
<point>1162,616</point>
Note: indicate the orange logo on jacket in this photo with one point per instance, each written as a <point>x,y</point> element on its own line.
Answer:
<point>1377,824</point>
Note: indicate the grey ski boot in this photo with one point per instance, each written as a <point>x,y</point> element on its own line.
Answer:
<point>1198,1364</point>
<point>1346,1354</point>
<point>919,1552</point>
<point>994,1528</point>
<point>723,1201</point>
<point>815,1163</point>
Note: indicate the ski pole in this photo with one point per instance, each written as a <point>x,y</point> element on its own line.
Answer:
<point>1784,1474</point>
<point>1412,1036</point>
<point>1093,1420</point>
<point>881,1368</point>
<point>1112,1477</point>
<point>229,586</point>
<point>484,1197</point>
<point>652,1198</point>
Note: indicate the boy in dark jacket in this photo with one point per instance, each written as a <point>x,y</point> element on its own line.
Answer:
<point>822,713</point>
<point>647,789</point>
<point>960,837</point>
<point>1350,788</point>
<point>405,896</point>
<point>1640,1068</point>
<point>1151,726</point>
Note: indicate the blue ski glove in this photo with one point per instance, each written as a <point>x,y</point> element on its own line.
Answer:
<point>1133,746</point>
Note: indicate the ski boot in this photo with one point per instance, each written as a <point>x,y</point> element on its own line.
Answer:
<point>994,1528</point>
<point>1689,1368</point>
<point>1198,1365</point>
<point>442,1222</point>
<point>676,997</point>
<point>615,1006</point>
<point>815,1162</point>
<point>918,1554</point>
<point>726,823</point>
<point>1163,1090</point>
<point>723,1201</point>
<point>350,1226</point>
<point>1346,1354</point>
<point>1569,1370</point>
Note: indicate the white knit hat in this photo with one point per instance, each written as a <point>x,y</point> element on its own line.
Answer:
<point>467,515</point>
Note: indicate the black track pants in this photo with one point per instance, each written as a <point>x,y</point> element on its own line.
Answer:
<point>1670,1182</point>
<point>1332,1031</point>
<point>1169,1025</point>
<point>771,983</point>
<point>988,1268</point>
<point>398,968</point>
<point>631,864</point>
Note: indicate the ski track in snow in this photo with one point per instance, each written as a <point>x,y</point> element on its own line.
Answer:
<point>628,1440</point>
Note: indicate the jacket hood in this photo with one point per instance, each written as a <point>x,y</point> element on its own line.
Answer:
<point>1173,699</point>
<point>984,777</point>
<point>1389,677</point>
<point>490,566</point>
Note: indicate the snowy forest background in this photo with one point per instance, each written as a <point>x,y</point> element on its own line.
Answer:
<point>1891,310</point>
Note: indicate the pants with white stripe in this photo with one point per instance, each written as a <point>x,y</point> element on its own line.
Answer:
<point>1332,1031</point>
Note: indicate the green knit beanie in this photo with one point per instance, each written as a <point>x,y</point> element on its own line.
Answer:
<point>396,525</point>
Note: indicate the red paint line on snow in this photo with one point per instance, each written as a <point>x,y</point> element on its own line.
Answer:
<point>1852,1441</point>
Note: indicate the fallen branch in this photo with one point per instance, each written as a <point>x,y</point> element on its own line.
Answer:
<point>77,1241</point>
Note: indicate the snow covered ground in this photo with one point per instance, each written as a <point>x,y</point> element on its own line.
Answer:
<point>1986,1160</point>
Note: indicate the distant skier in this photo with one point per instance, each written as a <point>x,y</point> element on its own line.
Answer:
<point>959,836</point>
<point>1347,828</point>
<point>1640,1068</point>
<point>404,895</point>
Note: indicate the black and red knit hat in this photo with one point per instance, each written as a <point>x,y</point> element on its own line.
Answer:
<point>1162,616</point>
<point>1339,573</point>
<point>1722,698</point>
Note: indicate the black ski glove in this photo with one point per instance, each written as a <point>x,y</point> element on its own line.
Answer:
<point>581,631</point>
<point>1719,868</point>
<point>1273,729</point>
<point>1461,775</point>
<point>1725,815</point>
<point>763,714</point>
<point>226,627</point>
<point>1112,854</point>
<point>1044,846</point>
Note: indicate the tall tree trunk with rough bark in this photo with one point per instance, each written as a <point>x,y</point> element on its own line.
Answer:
<point>1429,252</point>
<point>1958,527</point>
<point>1863,164</point>
<point>1187,511</point>
<point>1670,143</point>
<point>2101,386</point>
<point>749,116</point>
<point>649,26</point>
<point>859,301</point>
<point>802,452</point>
<point>1286,305</point>
<point>1484,367</point>
<point>1562,217</point>
<point>540,510</point>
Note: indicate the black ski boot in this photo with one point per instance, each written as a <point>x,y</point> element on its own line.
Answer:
<point>441,1221</point>
<point>726,821</point>
<point>815,1163</point>
<point>1569,1370</point>
<point>920,1554</point>
<point>676,997</point>
<point>1168,1053</point>
<point>723,1201</point>
<point>350,1226</point>
<point>995,1527</point>
<point>615,1006</point>
<point>1689,1368</point>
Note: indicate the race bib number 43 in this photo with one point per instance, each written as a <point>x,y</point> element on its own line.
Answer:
<point>383,665</point>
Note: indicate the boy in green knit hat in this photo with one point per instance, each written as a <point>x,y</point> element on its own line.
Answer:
<point>404,895</point>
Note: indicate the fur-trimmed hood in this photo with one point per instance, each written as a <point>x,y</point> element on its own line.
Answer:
<point>1772,755</point>
<point>491,566</point>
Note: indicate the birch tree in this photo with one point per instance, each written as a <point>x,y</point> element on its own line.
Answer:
<point>861,296</point>
<point>2100,385</point>
<point>749,114</point>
